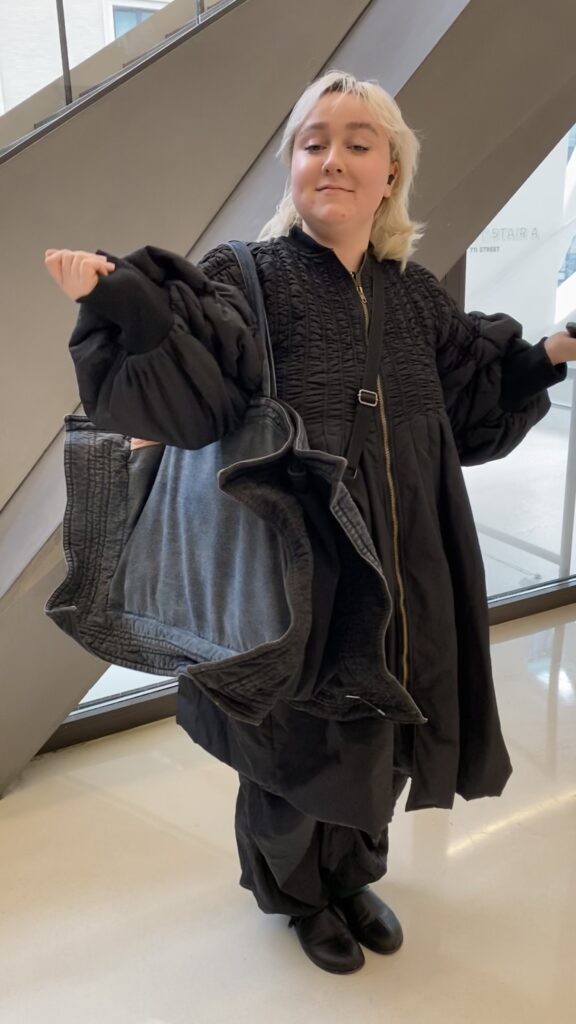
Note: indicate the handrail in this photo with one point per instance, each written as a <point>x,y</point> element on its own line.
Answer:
<point>171,40</point>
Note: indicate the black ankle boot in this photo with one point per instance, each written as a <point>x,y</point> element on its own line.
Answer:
<point>325,938</point>
<point>371,921</point>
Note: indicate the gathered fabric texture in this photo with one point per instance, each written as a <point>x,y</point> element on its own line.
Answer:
<point>457,388</point>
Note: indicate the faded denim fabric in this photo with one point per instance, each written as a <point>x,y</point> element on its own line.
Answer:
<point>198,564</point>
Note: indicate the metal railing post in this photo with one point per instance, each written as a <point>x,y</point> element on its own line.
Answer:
<point>64,52</point>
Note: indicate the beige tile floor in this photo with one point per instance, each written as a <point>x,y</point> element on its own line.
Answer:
<point>119,901</point>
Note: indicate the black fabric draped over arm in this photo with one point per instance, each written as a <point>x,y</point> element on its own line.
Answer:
<point>494,381</point>
<point>164,353</point>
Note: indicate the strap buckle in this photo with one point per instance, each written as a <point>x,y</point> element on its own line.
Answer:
<point>366,397</point>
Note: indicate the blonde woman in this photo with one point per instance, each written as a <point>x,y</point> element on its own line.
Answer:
<point>317,793</point>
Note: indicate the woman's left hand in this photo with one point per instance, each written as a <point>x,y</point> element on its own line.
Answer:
<point>561,347</point>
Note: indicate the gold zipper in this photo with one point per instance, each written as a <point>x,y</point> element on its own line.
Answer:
<point>392,490</point>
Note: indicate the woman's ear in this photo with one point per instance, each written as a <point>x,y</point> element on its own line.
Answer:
<point>391,179</point>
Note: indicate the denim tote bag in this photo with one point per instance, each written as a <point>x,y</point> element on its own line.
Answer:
<point>199,564</point>
<point>192,562</point>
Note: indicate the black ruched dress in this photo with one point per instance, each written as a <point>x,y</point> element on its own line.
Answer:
<point>459,389</point>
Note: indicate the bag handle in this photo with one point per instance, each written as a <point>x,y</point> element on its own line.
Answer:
<point>368,396</point>
<point>256,300</point>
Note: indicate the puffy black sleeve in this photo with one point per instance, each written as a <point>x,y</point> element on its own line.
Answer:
<point>494,382</point>
<point>162,356</point>
<point>220,265</point>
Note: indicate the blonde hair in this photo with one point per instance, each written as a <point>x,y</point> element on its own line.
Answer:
<point>394,235</point>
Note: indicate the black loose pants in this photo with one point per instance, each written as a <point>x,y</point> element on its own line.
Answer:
<point>295,864</point>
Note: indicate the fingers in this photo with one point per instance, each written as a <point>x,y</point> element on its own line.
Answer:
<point>99,263</point>
<point>53,264</point>
<point>69,257</point>
<point>139,442</point>
<point>76,271</point>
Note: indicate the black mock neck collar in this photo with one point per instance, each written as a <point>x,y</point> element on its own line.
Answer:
<point>309,245</point>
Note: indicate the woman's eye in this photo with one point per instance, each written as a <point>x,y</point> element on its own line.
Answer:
<point>313,147</point>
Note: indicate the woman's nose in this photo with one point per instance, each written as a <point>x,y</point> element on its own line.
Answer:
<point>333,162</point>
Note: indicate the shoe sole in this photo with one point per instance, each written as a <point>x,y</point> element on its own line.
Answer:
<point>332,970</point>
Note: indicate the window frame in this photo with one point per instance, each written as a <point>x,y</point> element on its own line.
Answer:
<point>139,5</point>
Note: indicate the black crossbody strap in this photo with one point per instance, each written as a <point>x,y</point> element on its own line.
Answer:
<point>368,396</point>
<point>256,300</point>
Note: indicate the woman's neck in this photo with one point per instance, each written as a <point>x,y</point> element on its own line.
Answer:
<point>349,250</point>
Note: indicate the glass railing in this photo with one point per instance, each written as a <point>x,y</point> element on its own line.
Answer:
<point>524,262</point>
<point>55,54</point>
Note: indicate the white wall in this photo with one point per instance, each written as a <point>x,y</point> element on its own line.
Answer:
<point>29,48</point>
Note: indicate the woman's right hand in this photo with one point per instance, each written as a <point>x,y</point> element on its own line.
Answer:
<point>76,272</point>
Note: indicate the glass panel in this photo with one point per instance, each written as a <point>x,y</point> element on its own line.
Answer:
<point>93,24</point>
<point>524,264</point>
<point>117,680</point>
<point>102,37</point>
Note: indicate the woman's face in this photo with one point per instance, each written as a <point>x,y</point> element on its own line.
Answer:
<point>340,165</point>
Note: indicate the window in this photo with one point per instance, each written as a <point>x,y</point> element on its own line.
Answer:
<point>569,265</point>
<point>126,18</point>
<point>524,264</point>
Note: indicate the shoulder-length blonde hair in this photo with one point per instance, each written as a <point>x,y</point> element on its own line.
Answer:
<point>394,235</point>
